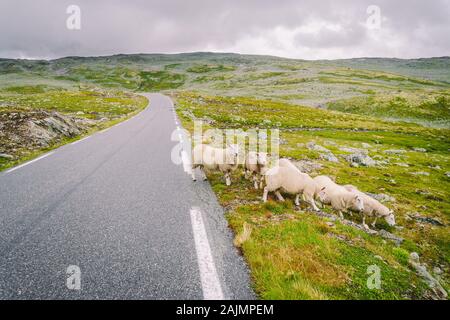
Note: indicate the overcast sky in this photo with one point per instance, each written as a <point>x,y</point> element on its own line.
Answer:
<point>305,29</point>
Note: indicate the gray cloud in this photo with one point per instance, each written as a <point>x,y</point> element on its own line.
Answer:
<point>307,29</point>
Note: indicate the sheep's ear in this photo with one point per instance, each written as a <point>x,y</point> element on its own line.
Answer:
<point>323,188</point>
<point>357,197</point>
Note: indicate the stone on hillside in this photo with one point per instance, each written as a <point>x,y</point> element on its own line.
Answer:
<point>365,145</point>
<point>401,164</point>
<point>447,174</point>
<point>6,156</point>
<point>420,149</point>
<point>381,197</point>
<point>395,151</point>
<point>436,288</point>
<point>362,159</point>
<point>329,157</point>
<point>307,166</point>
<point>354,150</point>
<point>421,173</point>
<point>313,146</point>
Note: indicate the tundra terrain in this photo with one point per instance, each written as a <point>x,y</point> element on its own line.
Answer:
<point>382,125</point>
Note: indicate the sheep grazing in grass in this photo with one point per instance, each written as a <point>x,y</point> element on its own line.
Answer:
<point>329,192</point>
<point>325,183</point>
<point>288,178</point>
<point>341,200</point>
<point>373,208</point>
<point>255,166</point>
<point>210,158</point>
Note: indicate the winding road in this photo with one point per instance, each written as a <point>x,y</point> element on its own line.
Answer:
<point>112,217</point>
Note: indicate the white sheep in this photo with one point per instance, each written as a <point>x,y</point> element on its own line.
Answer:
<point>255,165</point>
<point>210,158</point>
<point>289,179</point>
<point>373,207</point>
<point>341,200</point>
<point>326,184</point>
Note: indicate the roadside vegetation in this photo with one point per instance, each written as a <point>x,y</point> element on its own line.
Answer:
<point>295,254</point>
<point>36,119</point>
<point>392,113</point>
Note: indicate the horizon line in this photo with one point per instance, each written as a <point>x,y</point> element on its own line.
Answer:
<point>212,53</point>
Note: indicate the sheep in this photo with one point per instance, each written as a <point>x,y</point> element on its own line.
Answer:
<point>325,183</point>
<point>255,165</point>
<point>289,179</point>
<point>341,199</point>
<point>373,207</point>
<point>211,158</point>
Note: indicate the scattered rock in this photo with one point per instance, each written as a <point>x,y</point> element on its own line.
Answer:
<point>6,156</point>
<point>354,150</point>
<point>381,197</point>
<point>401,164</point>
<point>307,166</point>
<point>31,130</point>
<point>390,236</point>
<point>365,145</point>
<point>330,143</point>
<point>313,146</point>
<point>420,149</point>
<point>361,159</point>
<point>395,151</point>
<point>329,157</point>
<point>420,173</point>
<point>437,271</point>
<point>438,292</point>
<point>447,174</point>
<point>433,221</point>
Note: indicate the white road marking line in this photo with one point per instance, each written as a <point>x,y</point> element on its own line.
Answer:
<point>211,287</point>
<point>78,141</point>
<point>104,130</point>
<point>29,162</point>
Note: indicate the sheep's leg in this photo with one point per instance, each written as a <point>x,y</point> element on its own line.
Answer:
<point>261,182</point>
<point>266,192</point>
<point>279,196</point>
<point>193,173</point>
<point>340,214</point>
<point>203,170</point>
<point>255,182</point>
<point>365,226</point>
<point>310,199</point>
<point>297,200</point>
<point>227,179</point>
<point>374,222</point>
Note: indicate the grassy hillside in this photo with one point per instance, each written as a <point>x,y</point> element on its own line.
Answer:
<point>396,112</point>
<point>293,254</point>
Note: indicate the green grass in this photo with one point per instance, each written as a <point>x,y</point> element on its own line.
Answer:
<point>160,80</point>
<point>296,254</point>
<point>111,106</point>
<point>429,108</point>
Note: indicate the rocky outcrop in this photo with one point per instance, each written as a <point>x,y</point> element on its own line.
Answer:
<point>437,292</point>
<point>25,131</point>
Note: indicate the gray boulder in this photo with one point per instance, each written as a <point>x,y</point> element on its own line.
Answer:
<point>362,159</point>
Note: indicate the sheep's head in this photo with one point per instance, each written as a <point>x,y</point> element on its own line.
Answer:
<point>390,218</point>
<point>358,203</point>
<point>262,158</point>
<point>323,197</point>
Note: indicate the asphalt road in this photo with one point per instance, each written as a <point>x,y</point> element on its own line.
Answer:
<point>119,209</point>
